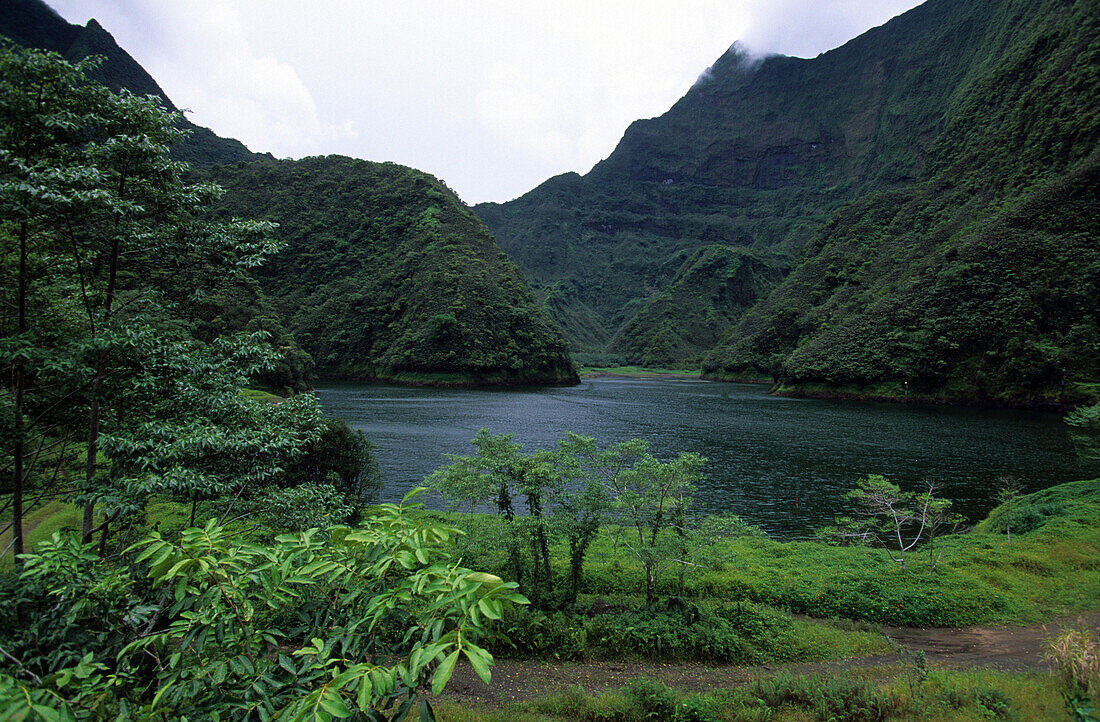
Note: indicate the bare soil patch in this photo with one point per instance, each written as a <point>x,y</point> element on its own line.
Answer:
<point>1005,648</point>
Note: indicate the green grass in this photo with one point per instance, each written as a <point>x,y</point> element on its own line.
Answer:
<point>260,395</point>
<point>638,371</point>
<point>1050,567</point>
<point>40,524</point>
<point>897,692</point>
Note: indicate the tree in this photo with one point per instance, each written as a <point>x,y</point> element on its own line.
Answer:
<point>1010,491</point>
<point>342,456</point>
<point>44,105</point>
<point>652,497</point>
<point>103,224</point>
<point>1084,432</point>
<point>894,519</point>
<point>497,474</point>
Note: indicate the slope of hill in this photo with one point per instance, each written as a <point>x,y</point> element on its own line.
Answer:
<point>387,275</point>
<point>938,129</point>
<point>757,155</point>
<point>33,24</point>
<point>981,281</point>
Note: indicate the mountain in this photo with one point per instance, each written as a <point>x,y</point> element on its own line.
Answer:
<point>889,181</point>
<point>981,281</point>
<point>33,24</point>
<point>387,275</point>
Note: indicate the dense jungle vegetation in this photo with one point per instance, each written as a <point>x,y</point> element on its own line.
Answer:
<point>185,545</point>
<point>929,183</point>
<point>114,404</point>
<point>385,274</point>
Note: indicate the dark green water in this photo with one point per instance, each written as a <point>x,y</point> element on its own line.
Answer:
<point>784,464</point>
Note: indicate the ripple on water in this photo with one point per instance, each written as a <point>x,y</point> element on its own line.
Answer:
<point>782,463</point>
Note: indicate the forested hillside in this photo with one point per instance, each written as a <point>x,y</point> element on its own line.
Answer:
<point>948,115</point>
<point>386,274</point>
<point>981,281</point>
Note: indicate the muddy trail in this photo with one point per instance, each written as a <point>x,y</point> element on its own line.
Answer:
<point>1017,649</point>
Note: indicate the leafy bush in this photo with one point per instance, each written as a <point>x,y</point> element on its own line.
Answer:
<point>748,634</point>
<point>830,698</point>
<point>652,700</point>
<point>381,612</point>
<point>302,507</point>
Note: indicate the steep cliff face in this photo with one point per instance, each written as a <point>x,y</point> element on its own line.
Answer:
<point>757,154</point>
<point>980,281</point>
<point>869,169</point>
<point>33,24</point>
<point>679,324</point>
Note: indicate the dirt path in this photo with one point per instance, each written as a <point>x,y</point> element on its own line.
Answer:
<point>1007,648</point>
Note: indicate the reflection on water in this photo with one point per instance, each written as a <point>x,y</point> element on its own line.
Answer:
<point>784,464</point>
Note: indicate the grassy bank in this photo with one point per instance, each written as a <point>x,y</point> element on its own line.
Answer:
<point>636,372</point>
<point>40,524</point>
<point>898,692</point>
<point>1050,566</point>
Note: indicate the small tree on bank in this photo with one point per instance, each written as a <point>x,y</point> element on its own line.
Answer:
<point>893,519</point>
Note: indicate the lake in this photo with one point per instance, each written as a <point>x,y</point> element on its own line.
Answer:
<point>784,464</point>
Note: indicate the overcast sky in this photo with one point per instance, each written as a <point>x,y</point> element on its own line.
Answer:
<point>493,96</point>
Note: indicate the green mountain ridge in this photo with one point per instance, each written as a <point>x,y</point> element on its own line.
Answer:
<point>387,275</point>
<point>757,155</point>
<point>947,116</point>
<point>33,24</point>
<point>980,282</point>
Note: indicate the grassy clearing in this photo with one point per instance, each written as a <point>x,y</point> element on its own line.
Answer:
<point>1050,567</point>
<point>889,693</point>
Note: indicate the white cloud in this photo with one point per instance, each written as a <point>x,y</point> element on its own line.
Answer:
<point>494,96</point>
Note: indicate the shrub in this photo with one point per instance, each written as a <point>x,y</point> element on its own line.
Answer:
<point>1075,656</point>
<point>651,700</point>
<point>829,698</point>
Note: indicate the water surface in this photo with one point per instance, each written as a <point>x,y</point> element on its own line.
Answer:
<point>784,464</point>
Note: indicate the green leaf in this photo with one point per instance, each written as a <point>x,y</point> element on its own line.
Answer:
<point>489,608</point>
<point>479,662</point>
<point>364,695</point>
<point>334,704</point>
<point>443,673</point>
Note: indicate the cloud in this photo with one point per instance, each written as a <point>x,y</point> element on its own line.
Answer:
<point>202,54</point>
<point>494,96</point>
<point>806,29</point>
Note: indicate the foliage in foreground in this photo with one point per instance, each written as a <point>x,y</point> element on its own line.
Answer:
<point>313,626</point>
<point>1049,567</point>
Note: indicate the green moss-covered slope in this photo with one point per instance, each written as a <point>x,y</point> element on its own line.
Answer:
<point>387,275</point>
<point>673,328</point>
<point>929,181</point>
<point>980,282</point>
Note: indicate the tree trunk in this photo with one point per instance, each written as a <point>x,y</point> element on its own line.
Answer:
<point>650,586</point>
<point>97,390</point>
<point>19,382</point>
